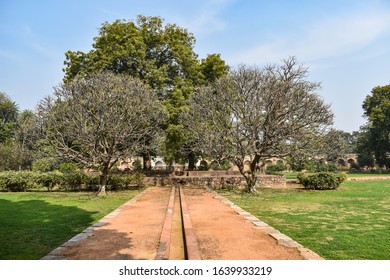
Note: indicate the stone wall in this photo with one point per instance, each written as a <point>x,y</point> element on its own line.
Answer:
<point>214,182</point>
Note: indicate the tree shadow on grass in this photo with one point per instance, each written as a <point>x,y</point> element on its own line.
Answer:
<point>104,244</point>
<point>31,229</point>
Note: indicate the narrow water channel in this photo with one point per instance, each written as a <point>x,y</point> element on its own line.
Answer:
<point>177,249</point>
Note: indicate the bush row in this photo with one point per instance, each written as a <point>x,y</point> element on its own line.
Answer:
<point>69,181</point>
<point>322,180</point>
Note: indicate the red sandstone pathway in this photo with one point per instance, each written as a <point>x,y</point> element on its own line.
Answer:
<point>133,232</point>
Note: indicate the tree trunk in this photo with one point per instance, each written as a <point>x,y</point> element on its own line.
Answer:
<point>250,176</point>
<point>103,179</point>
<point>251,180</point>
<point>101,190</point>
<point>147,164</point>
<point>191,161</point>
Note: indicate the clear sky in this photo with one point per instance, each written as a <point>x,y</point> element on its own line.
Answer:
<point>345,43</point>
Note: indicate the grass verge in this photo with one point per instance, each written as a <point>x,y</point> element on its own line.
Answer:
<point>34,223</point>
<point>350,223</point>
<point>293,175</point>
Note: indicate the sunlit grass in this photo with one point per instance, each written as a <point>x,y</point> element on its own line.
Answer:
<point>293,175</point>
<point>352,222</point>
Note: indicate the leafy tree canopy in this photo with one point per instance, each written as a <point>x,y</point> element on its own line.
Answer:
<point>161,55</point>
<point>377,111</point>
<point>8,118</point>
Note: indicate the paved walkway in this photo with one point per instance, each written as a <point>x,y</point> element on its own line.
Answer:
<point>223,231</point>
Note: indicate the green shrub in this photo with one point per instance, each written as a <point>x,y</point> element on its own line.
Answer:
<point>48,179</point>
<point>346,168</point>
<point>276,169</point>
<point>138,179</point>
<point>2,182</point>
<point>302,177</point>
<point>320,166</point>
<point>115,182</point>
<point>92,182</point>
<point>322,180</point>
<point>73,180</point>
<point>68,167</point>
<point>137,164</point>
<point>15,181</point>
<point>220,165</point>
<point>45,165</point>
<point>332,167</point>
<point>125,182</point>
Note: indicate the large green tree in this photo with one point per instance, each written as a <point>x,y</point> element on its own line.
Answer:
<point>376,108</point>
<point>8,126</point>
<point>161,55</point>
<point>335,145</point>
<point>27,136</point>
<point>8,118</point>
<point>19,136</point>
<point>364,149</point>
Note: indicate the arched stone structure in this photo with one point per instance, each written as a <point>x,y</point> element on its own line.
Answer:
<point>159,165</point>
<point>347,160</point>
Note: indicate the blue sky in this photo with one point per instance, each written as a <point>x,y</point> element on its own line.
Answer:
<point>345,43</point>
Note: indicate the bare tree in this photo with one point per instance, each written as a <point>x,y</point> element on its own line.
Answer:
<point>98,120</point>
<point>257,113</point>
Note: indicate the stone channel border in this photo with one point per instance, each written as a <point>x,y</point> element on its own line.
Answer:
<point>281,238</point>
<point>192,248</point>
<point>56,253</point>
<point>165,238</point>
<point>191,244</point>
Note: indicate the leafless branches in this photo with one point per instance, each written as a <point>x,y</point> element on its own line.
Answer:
<point>257,113</point>
<point>98,120</point>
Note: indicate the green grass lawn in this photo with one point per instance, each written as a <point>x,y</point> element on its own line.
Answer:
<point>34,223</point>
<point>293,175</point>
<point>354,175</point>
<point>350,223</point>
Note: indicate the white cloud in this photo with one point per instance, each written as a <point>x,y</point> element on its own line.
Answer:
<point>329,38</point>
<point>205,19</point>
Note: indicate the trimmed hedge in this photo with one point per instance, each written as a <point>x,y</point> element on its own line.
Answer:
<point>276,169</point>
<point>125,182</point>
<point>322,180</point>
<point>47,179</point>
<point>15,181</point>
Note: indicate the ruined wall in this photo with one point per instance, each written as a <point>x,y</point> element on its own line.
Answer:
<point>214,181</point>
